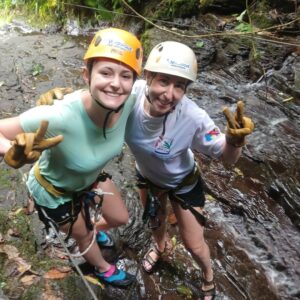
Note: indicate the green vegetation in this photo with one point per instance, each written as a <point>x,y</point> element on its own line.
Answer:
<point>91,11</point>
<point>170,9</point>
<point>5,178</point>
<point>25,240</point>
<point>45,11</point>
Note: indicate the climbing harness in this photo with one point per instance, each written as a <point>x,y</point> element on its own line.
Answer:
<point>83,199</point>
<point>53,190</point>
<point>154,192</point>
<point>201,217</point>
<point>151,209</point>
<point>51,223</point>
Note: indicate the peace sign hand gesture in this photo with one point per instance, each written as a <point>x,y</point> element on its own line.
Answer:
<point>238,126</point>
<point>27,147</point>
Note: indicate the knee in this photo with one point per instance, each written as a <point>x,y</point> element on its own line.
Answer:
<point>83,240</point>
<point>119,220</point>
<point>123,220</point>
<point>196,247</point>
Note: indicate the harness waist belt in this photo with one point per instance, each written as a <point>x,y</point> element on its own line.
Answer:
<point>49,187</point>
<point>189,179</point>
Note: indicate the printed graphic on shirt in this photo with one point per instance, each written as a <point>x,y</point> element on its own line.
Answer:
<point>212,134</point>
<point>163,145</point>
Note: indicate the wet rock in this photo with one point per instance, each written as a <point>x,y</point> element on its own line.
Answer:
<point>253,217</point>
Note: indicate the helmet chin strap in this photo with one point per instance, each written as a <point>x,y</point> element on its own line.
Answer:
<point>147,94</point>
<point>110,110</point>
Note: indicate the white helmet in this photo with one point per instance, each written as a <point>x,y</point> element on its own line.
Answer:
<point>173,58</point>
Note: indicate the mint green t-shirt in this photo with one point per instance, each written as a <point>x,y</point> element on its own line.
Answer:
<point>75,163</point>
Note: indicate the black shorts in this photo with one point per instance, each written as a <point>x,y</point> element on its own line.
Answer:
<point>195,197</point>
<point>67,212</point>
<point>63,214</point>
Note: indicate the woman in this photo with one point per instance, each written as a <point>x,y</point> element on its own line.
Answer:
<point>92,123</point>
<point>163,131</point>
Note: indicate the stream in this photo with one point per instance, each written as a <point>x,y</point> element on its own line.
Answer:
<point>254,207</point>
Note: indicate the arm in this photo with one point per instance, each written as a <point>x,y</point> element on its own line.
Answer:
<point>230,154</point>
<point>9,128</point>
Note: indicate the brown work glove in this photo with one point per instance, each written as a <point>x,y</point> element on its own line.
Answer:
<point>56,93</point>
<point>238,126</point>
<point>27,147</point>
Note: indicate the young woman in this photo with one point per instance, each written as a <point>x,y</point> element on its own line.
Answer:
<point>163,132</point>
<point>92,123</point>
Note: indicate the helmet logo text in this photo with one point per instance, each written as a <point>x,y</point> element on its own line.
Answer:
<point>178,65</point>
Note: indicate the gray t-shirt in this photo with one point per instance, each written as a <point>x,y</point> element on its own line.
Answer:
<point>166,160</point>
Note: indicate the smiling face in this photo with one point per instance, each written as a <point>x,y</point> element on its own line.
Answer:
<point>164,91</point>
<point>110,82</point>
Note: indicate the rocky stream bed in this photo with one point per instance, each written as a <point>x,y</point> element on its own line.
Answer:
<point>254,208</point>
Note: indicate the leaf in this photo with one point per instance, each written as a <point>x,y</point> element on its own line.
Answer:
<point>288,99</point>
<point>37,69</point>
<point>243,27</point>
<point>174,241</point>
<point>209,197</point>
<point>10,251</point>
<point>19,210</point>
<point>22,265</point>
<point>241,16</point>
<point>49,293</point>
<point>172,219</point>
<point>29,280</point>
<point>57,273</point>
<point>238,172</point>
<point>199,44</point>
<point>183,290</point>
<point>94,280</point>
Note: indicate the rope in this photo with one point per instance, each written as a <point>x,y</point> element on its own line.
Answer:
<point>71,256</point>
<point>67,252</point>
<point>79,254</point>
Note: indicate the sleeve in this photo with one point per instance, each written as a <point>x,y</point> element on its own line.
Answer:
<point>208,139</point>
<point>31,119</point>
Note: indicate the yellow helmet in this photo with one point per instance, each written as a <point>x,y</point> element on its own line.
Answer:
<point>173,58</point>
<point>117,44</point>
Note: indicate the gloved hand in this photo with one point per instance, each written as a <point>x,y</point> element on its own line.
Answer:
<point>27,147</point>
<point>238,126</point>
<point>56,93</point>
